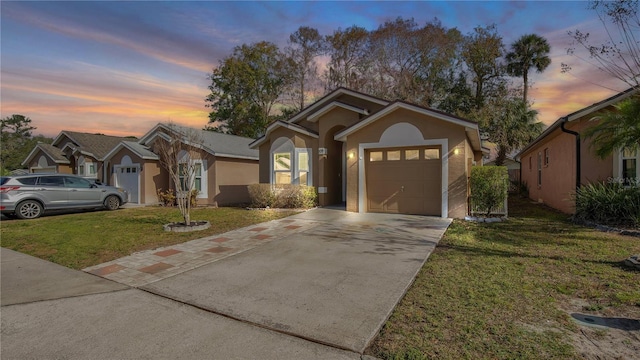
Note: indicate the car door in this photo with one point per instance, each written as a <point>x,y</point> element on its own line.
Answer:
<point>52,191</point>
<point>82,193</point>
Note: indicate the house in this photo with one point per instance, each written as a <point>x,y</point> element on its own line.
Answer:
<point>73,153</point>
<point>375,155</point>
<point>226,163</point>
<point>560,159</point>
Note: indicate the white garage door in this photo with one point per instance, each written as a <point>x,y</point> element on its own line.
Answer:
<point>127,177</point>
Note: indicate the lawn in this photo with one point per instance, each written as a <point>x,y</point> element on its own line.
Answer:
<point>505,290</point>
<point>80,240</point>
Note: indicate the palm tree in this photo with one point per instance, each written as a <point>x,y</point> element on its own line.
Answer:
<point>529,51</point>
<point>617,129</point>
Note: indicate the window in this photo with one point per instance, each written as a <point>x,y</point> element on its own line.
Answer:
<point>546,157</point>
<point>303,167</point>
<point>629,166</point>
<point>539,169</point>
<point>282,168</point>
<point>431,154</point>
<point>375,156</point>
<point>72,182</point>
<point>199,176</point>
<point>393,155</point>
<point>412,154</point>
<point>85,168</point>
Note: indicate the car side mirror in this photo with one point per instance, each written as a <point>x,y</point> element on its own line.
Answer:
<point>93,186</point>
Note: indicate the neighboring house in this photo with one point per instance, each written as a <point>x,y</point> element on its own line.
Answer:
<point>227,164</point>
<point>73,153</point>
<point>375,155</point>
<point>551,169</point>
<point>513,167</point>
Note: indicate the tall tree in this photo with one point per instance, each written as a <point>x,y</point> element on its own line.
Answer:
<point>348,58</point>
<point>617,129</point>
<point>245,88</point>
<point>509,123</point>
<point>16,141</point>
<point>482,53</point>
<point>619,55</point>
<point>305,45</point>
<point>529,51</point>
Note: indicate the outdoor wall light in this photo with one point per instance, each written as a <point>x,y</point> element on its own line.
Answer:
<point>456,151</point>
<point>351,155</point>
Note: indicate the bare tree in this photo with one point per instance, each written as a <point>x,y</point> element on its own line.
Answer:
<point>619,55</point>
<point>177,147</point>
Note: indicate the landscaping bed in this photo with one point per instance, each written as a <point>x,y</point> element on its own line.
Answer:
<point>80,240</point>
<point>517,289</point>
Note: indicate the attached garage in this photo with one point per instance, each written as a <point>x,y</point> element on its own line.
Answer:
<point>127,176</point>
<point>405,180</point>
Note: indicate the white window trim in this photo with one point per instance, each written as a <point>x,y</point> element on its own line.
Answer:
<point>204,192</point>
<point>273,167</point>
<point>296,170</point>
<point>620,157</point>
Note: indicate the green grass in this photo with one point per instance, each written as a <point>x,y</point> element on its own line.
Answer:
<point>504,290</point>
<point>80,240</point>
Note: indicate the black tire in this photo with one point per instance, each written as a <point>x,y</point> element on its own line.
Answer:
<point>112,202</point>
<point>29,209</point>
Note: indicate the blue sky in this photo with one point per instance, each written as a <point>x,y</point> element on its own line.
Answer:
<point>121,67</point>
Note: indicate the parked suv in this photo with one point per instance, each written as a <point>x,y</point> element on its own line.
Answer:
<point>29,196</point>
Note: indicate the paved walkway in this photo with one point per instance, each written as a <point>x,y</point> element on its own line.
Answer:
<point>149,266</point>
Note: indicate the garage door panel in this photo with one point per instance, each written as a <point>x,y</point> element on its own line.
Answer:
<point>407,186</point>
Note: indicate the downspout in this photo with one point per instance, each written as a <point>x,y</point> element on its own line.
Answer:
<point>577,135</point>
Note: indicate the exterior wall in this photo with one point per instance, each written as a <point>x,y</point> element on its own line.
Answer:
<point>431,128</point>
<point>151,177</point>
<point>299,141</point>
<point>559,176</point>
<point>330,165</point>
<point>233,176</point>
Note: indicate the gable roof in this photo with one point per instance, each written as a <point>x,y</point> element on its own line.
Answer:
<point>51,151</point>
<point>142,151</point>
<point>94,145</point>
<point>218,144</point>
<point>278,123</point>
<point>470,126</point>
<point>333,95</point>
<point>580,114</point>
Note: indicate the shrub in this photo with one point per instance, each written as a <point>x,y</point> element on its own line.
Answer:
<point>282,196</point>
<point>489,186</point>
<point>193,198</point>
<point>166,198</point>
<point>608,204</point>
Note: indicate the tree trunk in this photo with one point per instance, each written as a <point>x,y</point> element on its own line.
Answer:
<point>502,155</point>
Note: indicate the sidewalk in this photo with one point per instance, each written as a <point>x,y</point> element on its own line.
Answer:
<point>149,266</point>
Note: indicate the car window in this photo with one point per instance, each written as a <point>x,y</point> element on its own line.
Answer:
<point>3,180</point>
<point>28,180</point>
<point>75,182</point>
<point>51,181</point>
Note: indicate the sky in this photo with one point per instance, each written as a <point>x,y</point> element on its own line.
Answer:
<point>120,67</point>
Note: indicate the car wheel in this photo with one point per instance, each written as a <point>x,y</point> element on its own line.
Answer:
<point>29,209</point>
<point>112,202</point>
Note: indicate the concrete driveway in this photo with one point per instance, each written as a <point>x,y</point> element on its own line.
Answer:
<point>323,292</point>
<point>335,283</point>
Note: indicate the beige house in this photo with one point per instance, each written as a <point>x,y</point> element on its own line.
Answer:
<point>560,159</point>
<point>226,164</point>
<point>374,155</point>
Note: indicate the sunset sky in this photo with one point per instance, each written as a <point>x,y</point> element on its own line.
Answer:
<point>121,67</point>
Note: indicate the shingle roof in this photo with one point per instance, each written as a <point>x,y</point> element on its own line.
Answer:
<point>218,144</point>
<point>140,149</point>
<point>53,152</point>
<point>97,145</point>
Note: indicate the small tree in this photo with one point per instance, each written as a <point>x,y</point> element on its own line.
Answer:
<point>177,149</point>
<point>489,186</point>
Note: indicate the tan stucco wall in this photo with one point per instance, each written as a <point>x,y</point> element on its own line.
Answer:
<point>558,177</point>
<point>233,176</point>
<point>431,128</point>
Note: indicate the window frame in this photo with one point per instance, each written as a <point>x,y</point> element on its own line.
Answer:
<point>627,181</point>
<point>204,185</point>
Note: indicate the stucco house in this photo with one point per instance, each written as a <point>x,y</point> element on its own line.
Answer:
<point>226,163</point>
<point>560,159</point>
<point>73,153</point>
<point>375,155</point>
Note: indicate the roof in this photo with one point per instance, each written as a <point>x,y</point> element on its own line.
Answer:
<point>470,126</point>
<point>278,123</point>
<point>142,151</point>
<point>94,145</point>
<point>330,96</point>
<point>51,151</point>
<point>580,114</point>
<point>215,143</point>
